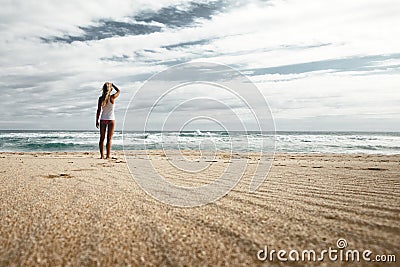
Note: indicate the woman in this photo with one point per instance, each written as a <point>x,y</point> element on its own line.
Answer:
<point>105,105</point>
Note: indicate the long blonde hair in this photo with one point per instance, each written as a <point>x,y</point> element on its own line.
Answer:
<point>107,88</point>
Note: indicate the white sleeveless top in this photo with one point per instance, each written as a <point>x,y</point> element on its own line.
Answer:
<point>108,111</point>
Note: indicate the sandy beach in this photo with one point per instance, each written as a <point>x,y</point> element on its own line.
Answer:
<point>71,208</point>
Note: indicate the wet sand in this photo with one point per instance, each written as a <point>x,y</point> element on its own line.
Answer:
<point>73,209</point>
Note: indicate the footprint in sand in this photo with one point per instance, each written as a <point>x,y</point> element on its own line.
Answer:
<point>61,175</point>
<point>104,164</point>
<point>80,170</point>
<point>375,169</point>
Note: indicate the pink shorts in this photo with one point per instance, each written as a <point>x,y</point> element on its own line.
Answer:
<point>106,121</point>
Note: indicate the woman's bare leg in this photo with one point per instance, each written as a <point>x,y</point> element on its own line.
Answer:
<point>103,128</point>
<point>110,133</point>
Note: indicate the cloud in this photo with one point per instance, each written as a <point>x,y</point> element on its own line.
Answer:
<point>106,29</point>
<point>359,63</point>
<point>320,59</point>
<point>145,22</point>
<point>183,16</point>
<point>187,44</point>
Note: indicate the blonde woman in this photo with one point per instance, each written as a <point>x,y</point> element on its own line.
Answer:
<point>106,105</point>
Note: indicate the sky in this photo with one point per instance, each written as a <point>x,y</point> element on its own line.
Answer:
<point>320,65</point>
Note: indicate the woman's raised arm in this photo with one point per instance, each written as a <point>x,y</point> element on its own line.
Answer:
<point>116,89</point>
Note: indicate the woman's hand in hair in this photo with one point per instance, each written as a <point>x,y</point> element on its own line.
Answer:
<point>117,93</point>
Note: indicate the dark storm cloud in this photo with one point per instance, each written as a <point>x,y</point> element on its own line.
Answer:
<point>362,63</point>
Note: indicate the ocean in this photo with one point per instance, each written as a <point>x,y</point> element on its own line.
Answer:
<point>295,142</point>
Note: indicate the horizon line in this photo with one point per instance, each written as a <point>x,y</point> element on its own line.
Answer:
<point>94,130</point>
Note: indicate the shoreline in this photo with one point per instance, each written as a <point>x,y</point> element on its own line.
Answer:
<point>120,154</point>
<point>152,151</point>
<point>284,142</point>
